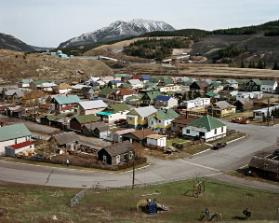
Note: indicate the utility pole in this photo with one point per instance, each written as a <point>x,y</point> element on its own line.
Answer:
<point>268,112</point>
<point>133,182</point>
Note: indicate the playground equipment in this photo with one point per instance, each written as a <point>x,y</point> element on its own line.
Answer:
<point>211,217</point>
<point>197,190</point>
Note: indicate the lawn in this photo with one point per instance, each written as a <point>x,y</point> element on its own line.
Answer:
<point>34,204</point>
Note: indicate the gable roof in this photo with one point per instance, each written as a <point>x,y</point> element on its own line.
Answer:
<point>65,138</point>
<point>66,99</point>
<point>268,82</point>
<point>207,122</point>
<point>143,111</point>
<point>223,105</point>
<point>153,94</point>
<point>118,108</point>
<point>139,134</point>
<point>13,131</point>
<point>165,114</point>
<point>118,148</point>
<point>93,104</point>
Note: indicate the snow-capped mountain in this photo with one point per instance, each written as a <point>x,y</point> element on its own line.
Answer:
<point>118,30</point>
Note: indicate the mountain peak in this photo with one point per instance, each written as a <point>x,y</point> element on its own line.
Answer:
<point>118,30</point>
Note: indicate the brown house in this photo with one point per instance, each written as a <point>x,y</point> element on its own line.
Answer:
<point>116,154</point>
<point>180,122</point>
<point>139,136</point>
<point>244,105</point>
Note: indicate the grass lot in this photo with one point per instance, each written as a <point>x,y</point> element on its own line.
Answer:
<point>230,137</point>
<point>34,204</point>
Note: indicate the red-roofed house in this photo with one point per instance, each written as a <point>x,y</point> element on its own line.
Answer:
<point>23,147</point>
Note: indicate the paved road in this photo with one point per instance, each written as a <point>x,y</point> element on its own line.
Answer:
<point>211,164</point>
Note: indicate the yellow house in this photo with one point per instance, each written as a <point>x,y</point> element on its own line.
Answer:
<point>138,117</point>
<point>222,109</point>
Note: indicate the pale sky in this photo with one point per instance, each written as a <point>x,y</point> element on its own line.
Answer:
<point>50,22</point>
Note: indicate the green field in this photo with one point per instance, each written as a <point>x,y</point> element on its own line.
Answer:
<point>34,204</point>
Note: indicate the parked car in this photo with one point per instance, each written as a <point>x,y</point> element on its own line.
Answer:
<point>219,146</point>
<point>241,120</point>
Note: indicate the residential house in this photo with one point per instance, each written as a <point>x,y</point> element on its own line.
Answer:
<point>117,134</point>
<point>138,136</point>
<point>97,129</point>
<point>206,128</point>
<point>269,86</point>
<point>121,94</point>
<point>13,95</point>
<point>44,85</point>
<point>15,111</point>
<point>62,88</point>
<point>251,85</point>
<point>138,117</point>
<point>91,107</point>
<point>156,141</point>
<point>170,88</point>
<point>249,95</point>
<point>263,113</point>
<point>164,101</point>
<point>199,86</point>
<point>11,135</point>
<point>62,142</point>
<point>65,103</point>
<point>198,103</point>
<point>24,83</point>
<point>116,154</point>
<point>230,85</point>
<point>215,87</point>
<point>162,119</point>
<point>114,112</point>
<point>20,148</point>
<point>106,91</point>
<point>149,97</point>
<point>244,104</point>
<point>77,122</point>
<point>136,83</point>
<point>181,122</point>
<point>221,109</point>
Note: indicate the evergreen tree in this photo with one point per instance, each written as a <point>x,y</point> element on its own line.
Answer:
<point>275,66</point>
<point>242,65</point>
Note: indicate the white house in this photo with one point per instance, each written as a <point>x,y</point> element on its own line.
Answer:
<point>170,88</point>
<point>261,114</point>
<point>162,119</point>
<point>269,86</point>
<point>91,107</point>
<point>136,83</point>
<point>156,140</point>
<point>249,95</point>
<point>12,135</point>
<point>114,112</point>
<point>206,127</point>
<point>163,101</point>
<point>197,103</point>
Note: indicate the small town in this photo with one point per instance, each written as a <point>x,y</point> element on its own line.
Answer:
<point>140,121</point>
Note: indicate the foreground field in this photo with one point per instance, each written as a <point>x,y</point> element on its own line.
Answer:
<point>43,204</point>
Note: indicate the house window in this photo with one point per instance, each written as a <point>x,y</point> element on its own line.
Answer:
<point>188,131</point>
<point>222,129</point>
<point>215,131</point>
<point>104,159</point>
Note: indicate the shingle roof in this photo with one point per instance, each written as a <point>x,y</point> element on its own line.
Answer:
<point>119,148</point>
<point>207,122</point>
<point>93,104</point>
<point>65,138</point>
<point>66,99</point>
<point>13,131</point>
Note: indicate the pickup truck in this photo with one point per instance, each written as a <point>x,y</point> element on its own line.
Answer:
<point>241,120</point>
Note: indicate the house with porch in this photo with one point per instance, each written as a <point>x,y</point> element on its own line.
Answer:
<point>65,103</point>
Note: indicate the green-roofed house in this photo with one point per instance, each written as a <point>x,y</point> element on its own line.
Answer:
<point>114,112</point>
<point>162,119</point>
<point>65,103</point>
<point>149,97</point>
<point>14,136</point>
<point>207,128</point>
<point>77,122</point>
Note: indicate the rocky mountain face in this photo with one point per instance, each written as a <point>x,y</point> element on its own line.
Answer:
<point>11,43</point>
<point>116,31</point>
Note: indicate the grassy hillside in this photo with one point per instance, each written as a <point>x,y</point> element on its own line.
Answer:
<point>15,65</point>
<point>34,204</point>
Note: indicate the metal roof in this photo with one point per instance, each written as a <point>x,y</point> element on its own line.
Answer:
<point>93,104</point>
<point>207,122</point>
<point>66,99</point>
<point>144,111</point>
<point>13,131</point>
